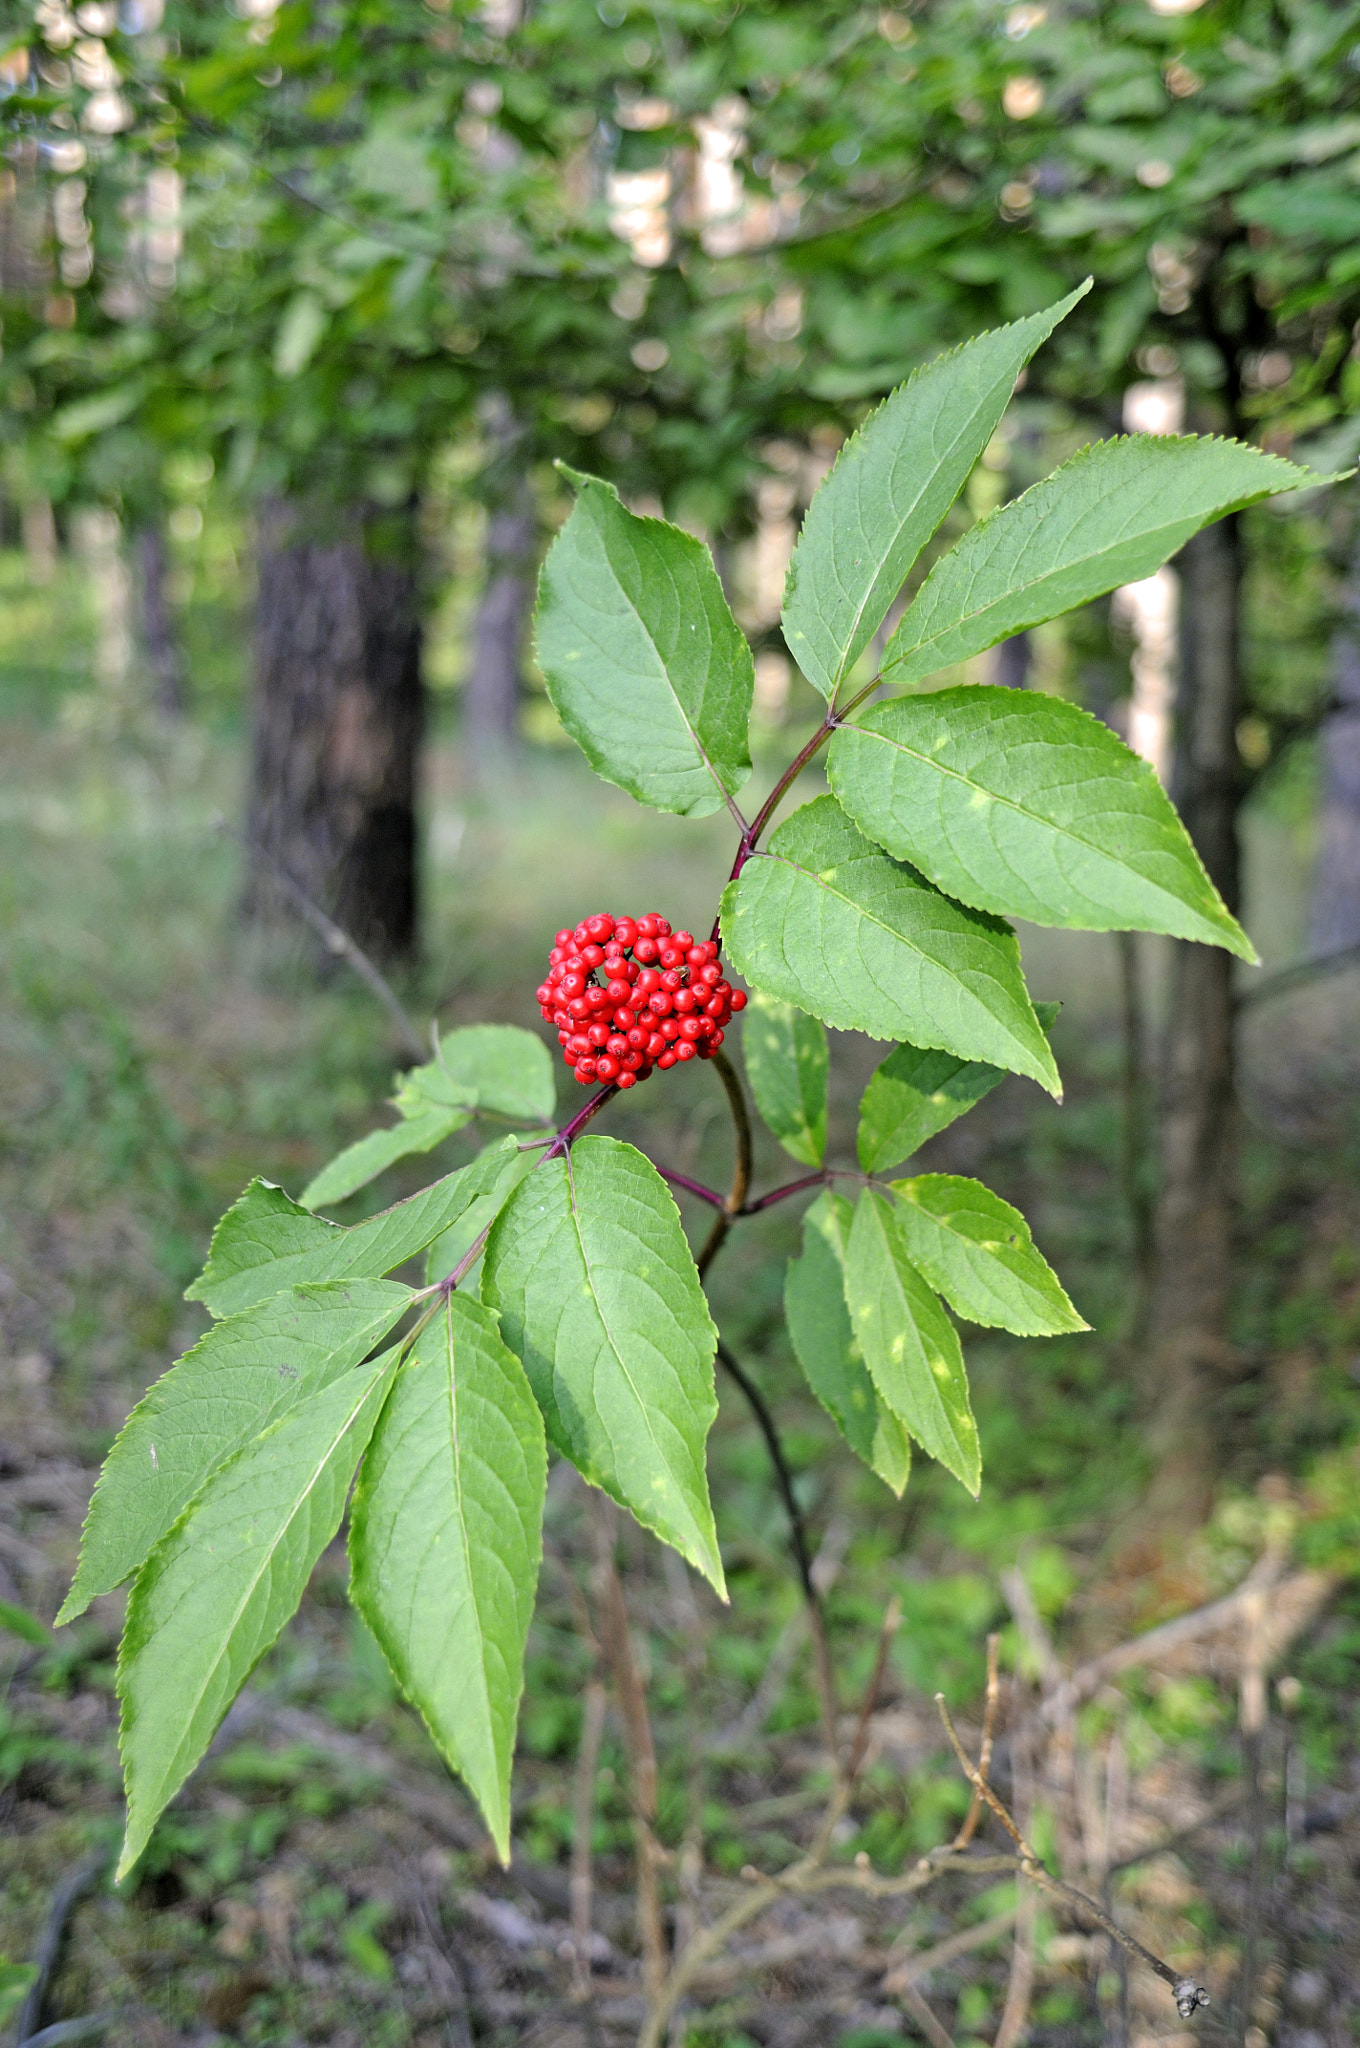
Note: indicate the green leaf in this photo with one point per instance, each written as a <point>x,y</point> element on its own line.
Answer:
<point>645,665</point>
<point>825,920</point>
<point>501,1067</point>
<point>217,1589</point>
<point>238,1379</point>
<point>16,1981</point>
<point>445,1543</point>
<point>910,1346</point>
<point>787,1063</point>
<point>369,1156</point>
<point>978,1252</point>
<point>892,484</point>
<point>1019,803</point>
<point>448,1250</point>
<point>596,1288</point>
<point>17,1621</point>
<point>1111,515</point>
<point>267,1242</point>
<point>826,1347</point>
<point>915,1093</point>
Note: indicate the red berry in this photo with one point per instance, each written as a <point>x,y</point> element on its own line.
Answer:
<point>716,1040</point>
<point>656,1045</point>
<point>645,950</point>
<point>586,1070</point>
<point>689,1027</point>
<point>684,1049</point>
<point>562,939</point>
<point>596,999</point>
<point>738,999</point>
<point>684,1000</point>
<point>625,930</point>
<point>606,1067</point>
<point>600,927</point>
<point>619,991</point>
<point>627,1080</point>
<point>666,1060</point>
<point>661,926</point>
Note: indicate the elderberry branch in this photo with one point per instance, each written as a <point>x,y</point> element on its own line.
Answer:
<point>693,1187</point>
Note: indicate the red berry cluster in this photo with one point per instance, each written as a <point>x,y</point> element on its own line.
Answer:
<point>628,994</point>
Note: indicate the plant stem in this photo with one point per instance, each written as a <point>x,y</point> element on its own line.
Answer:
<point>693,1187</point>
<point>826,1684</point>
<point>741,1171</point>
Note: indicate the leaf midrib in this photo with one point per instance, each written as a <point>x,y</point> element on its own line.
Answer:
<point>1009,803</point>
<point>609,1334</point>
<point>650,639</point>
<point>960,1448</point>
<point>913,945</point>
<point>846,661</point>
<point>1014,590</point>
<point>268,1555</point>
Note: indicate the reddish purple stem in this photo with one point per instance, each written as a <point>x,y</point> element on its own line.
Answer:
<point>692,1187</point>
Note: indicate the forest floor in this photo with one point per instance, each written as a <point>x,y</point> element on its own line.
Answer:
<point>321,1878</point>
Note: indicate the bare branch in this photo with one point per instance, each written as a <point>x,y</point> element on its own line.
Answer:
<point>1187,1994</point>
<point>974,1813</point>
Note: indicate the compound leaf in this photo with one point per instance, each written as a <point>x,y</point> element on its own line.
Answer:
<point>977,1250</point>
<point>220,1585</point>
<point>787,1063</point>
<point>1111,515</point>
<point>915,1092</point>
<point>645,665</point>
<point>267,1242</point>
<point>892,484</point>
<point>1019,803</point>
<point>827,921</point>
<point>826,1347</point>
<point>445,1541</point>
<point>910,1346</point>
<point>597,1292</point>
<point>238,1379</point>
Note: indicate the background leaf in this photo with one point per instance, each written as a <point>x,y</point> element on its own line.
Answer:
<point>787,1062</point>
<point>267,1242</point>
<point>1111,515</point>
<point>825,920</point>
<point>445,1541</point>
<point>645,665</point>
<point>218,1588</point>
<point>502,1067</point>
<point>237,1380</point>
<point>893,482</point>
<point>910,1346</point>
<point>826,1347</point>
<point>596,1289</point>
<point>977,1250</point>
<point>916,1092</point>
<point>1019,803</point>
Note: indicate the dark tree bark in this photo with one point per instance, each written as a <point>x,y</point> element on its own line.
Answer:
<point>1335,922</point>
<point>338,717</point>
<point>155,628</point>
<point>1011,662</point>
<point>1187,1351</point>
<point>492,692</point>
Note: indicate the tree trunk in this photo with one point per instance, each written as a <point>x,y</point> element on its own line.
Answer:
<point>338,716</point>
<point>1188,1312</point>
<point>491,695</point>
<point>156,630</point>
<point>1011,662</point>
<point>1336,887</point>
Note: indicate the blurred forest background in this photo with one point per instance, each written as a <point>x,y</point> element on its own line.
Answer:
<point>301,304</point>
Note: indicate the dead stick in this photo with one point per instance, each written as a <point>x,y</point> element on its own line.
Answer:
<point>974,1813</point>
<point>631,1695</point>
<point>1187,1994</point>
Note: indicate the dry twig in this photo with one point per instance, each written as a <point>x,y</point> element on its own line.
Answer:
<point>1187,1994</point>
